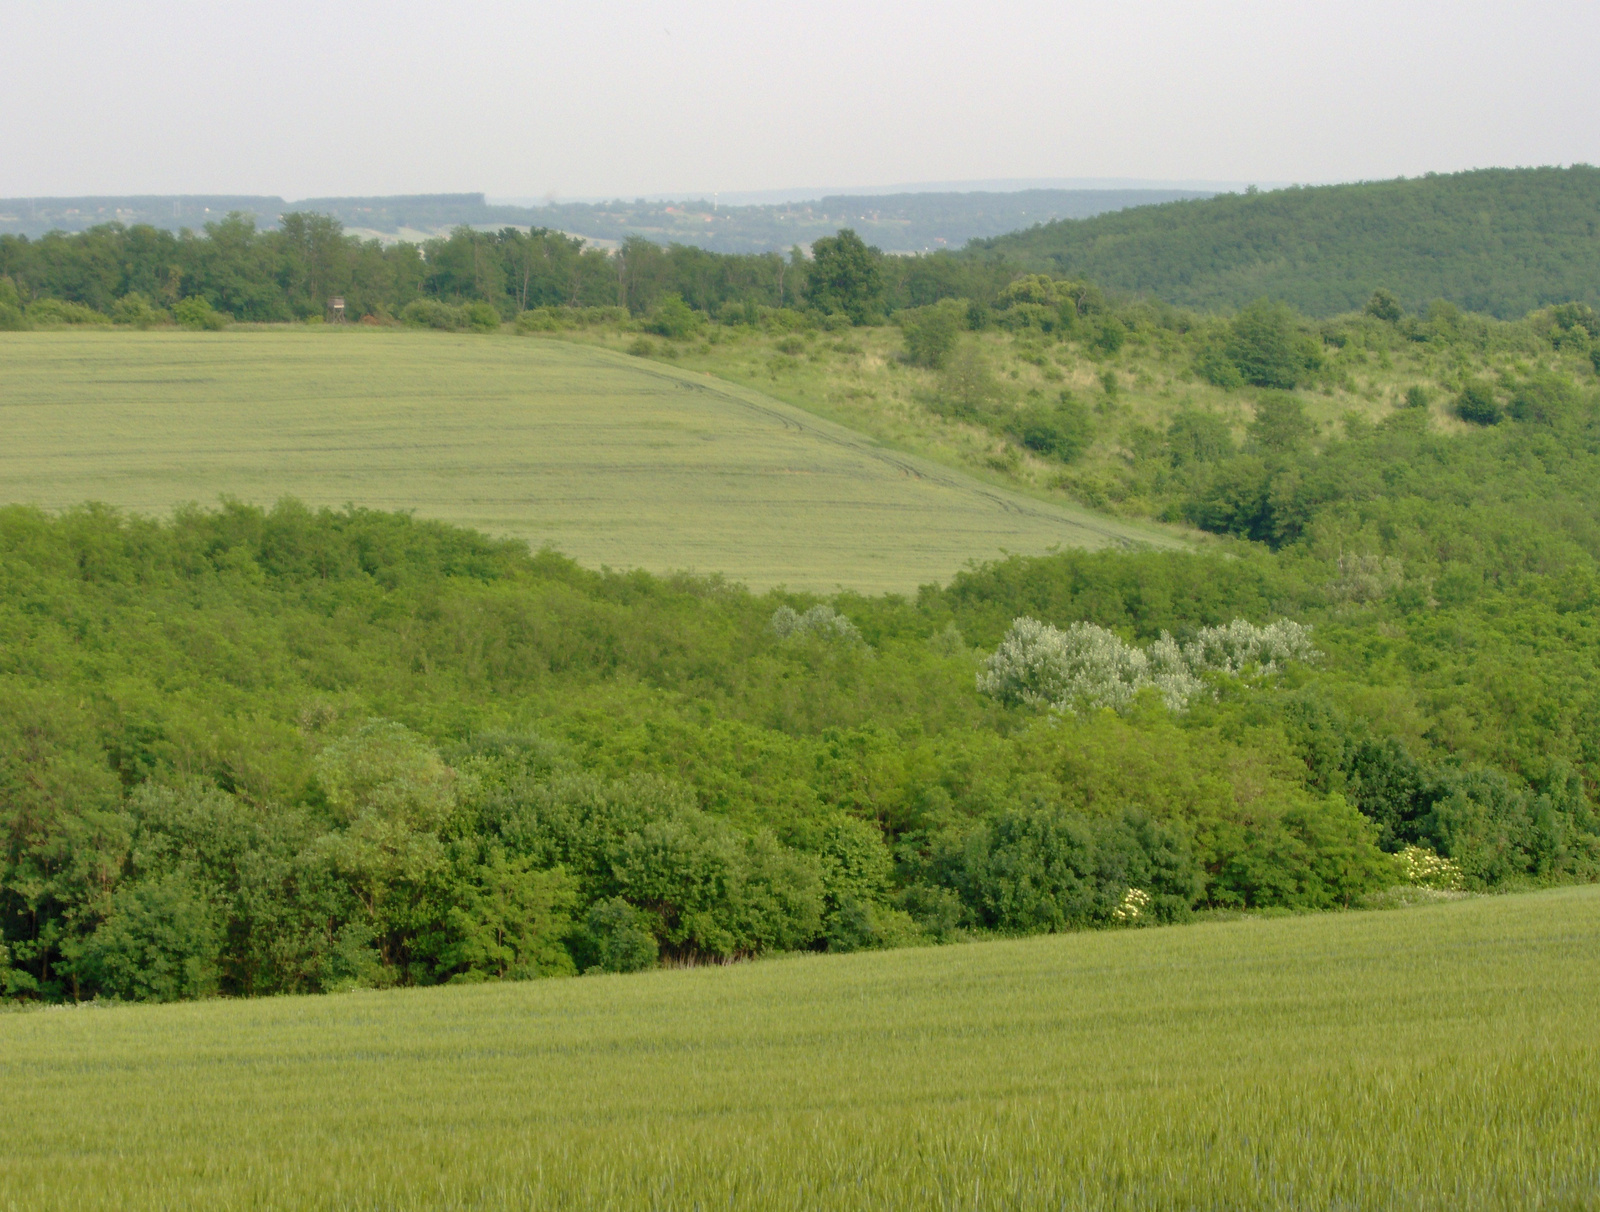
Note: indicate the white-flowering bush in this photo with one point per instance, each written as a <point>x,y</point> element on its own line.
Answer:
<point>1086,666</point>
<point>1429,870</point>
<point>821,620</point>
<point>1043,666</point>
<point>1235,648</point>
<point>1134,902</point>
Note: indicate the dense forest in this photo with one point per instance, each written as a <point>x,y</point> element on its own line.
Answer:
<point>1499,241</point>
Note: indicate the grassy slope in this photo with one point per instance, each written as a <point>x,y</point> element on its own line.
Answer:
<point>859,379</point>
<point>1496,240</point>
<point>1442,1057</point>
<point>613,460</point>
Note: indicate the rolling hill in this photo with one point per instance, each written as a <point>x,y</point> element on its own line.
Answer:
<point>611,459</point>
<point>1501,241</point>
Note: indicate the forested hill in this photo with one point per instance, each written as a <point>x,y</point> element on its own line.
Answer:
<point>1501,241</point>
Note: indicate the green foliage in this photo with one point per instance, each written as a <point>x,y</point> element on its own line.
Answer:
<point>135,310</point>
<point>1266,347</point>
<point>617,938</point>
<point>1501,241</point>
<point>196,313</point>
<point>674,318</point>
<point>1060,431</point>
<point>931,333</point>
<point>1384,306</point>
<point>1045,870</point>
<point>846,277</point>
<point>54,311</point>
<point>1476,404</point>
<point>430,313</point>
<point>741,791</point>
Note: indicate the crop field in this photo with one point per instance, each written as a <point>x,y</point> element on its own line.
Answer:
<point>613,460</point>
<point>1446,1056</point>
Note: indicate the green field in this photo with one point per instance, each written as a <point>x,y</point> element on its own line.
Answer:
<point>1442,1057</point>
<point>611,459</point>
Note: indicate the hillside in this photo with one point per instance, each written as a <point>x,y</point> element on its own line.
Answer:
<point>1339,1061</point>
<point>612,460</point>
<point>1502,241</point>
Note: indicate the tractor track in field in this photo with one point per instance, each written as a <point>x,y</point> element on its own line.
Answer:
<point>828,431</point>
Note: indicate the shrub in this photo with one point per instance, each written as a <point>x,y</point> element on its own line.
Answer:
<point>1048,870</point>
<point>1110,334</point>
<point>1280,425</point>
<point>967,386</point>
<point>55,311</point>
<point>1476,404</point>
<point>1198,437</point>
<point>1384,306</point>
<point>1544,399</point>
<point>1266,347</point>
<point>197,314</point>
<point>931,332</point>
<point>1417,396</point>
<point>821,620</point>
<point>540,319</point>
<point>483,317</point>
<point>1088,667</point>
<point>1061,431</point>
<point>136,310</point>
<point>674,319</point>
<point>617,938</point>
<point>431,313</point>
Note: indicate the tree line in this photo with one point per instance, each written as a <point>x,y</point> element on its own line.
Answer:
<point>139,274</point>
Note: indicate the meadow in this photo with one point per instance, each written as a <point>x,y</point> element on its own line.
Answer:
<point>612,460</point>
<point>1443,1056</point>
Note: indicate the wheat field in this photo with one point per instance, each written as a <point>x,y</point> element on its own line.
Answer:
<point>1441,1057</point>
<point>613,460</point>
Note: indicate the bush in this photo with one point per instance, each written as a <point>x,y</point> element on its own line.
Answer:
<point>1213,365</point>
<point>197,314</point>
<point>431,313</point>
<point>1047,870</point>
<point>1544,399</point>
<point>483,317</point>
<point>1476,404</point>
<point>136,310</point>
<point>1280,425</point>
<point>1384,306</point>
<point>1198,437</point>
<point>931,332</point>
<point>1087,666</point>
<point>54,311</point>
<point>967,386</point>
<point>617,938</point>
<point>1061,431</point>
<point>674,319</point>
<point>1266,347</point>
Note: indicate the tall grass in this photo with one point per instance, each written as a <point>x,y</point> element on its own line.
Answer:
<point>1441,1057</point>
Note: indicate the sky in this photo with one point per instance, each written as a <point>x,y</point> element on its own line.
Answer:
<point>628,98</point>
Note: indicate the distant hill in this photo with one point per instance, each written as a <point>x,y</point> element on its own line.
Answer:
<point>907,222</point>
<point>1502,241</point>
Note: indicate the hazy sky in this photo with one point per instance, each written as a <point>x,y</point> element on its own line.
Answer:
<point>626,97</point>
